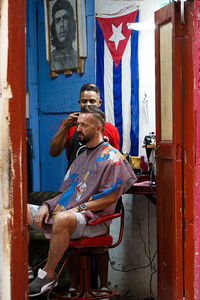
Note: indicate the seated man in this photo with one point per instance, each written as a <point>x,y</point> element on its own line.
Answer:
<point>91,188</point>
<point>67,136</point>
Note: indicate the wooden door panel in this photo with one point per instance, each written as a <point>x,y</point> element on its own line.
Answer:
<point>165,150</point>
<point>168,133</point>
<point>175,151</point>
<point>189,129</point>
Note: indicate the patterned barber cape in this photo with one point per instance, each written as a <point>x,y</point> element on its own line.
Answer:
<point>95,173</point>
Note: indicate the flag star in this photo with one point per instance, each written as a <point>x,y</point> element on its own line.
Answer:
<point>117,35</point>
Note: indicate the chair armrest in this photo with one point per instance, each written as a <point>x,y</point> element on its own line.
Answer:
<point>104,219</point>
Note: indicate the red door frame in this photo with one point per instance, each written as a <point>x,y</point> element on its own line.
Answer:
<point>196,67</point>
<point>168,166</point>
<point>189,151</point>
<point>176,231</point>
<point>18,196</point>
<point>16,78</point>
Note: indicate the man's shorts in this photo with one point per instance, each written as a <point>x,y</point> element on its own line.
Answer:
<point>82,229</point>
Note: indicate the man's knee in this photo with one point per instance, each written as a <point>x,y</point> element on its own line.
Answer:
<point>64,221</point>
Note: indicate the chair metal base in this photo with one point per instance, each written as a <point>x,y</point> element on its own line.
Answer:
<point>85,292</point>
<point>89,295</point>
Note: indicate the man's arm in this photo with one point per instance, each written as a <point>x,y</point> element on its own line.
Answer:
<point>58,142</point>
<point>116,139</point>
<point>101,203</point>
<point>112,133</point>
<point>42,214</point>
<point>94,205</point>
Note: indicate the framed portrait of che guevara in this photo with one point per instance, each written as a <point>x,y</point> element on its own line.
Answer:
<point>65,53</point>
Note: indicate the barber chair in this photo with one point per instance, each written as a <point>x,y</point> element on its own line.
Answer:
<point>85,246</point>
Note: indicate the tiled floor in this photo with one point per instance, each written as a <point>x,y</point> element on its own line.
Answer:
<point>121,298</point>
<point>42,297</point>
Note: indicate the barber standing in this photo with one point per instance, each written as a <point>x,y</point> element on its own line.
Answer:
<point>67,134</point>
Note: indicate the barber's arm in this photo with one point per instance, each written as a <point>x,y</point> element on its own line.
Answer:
<point>58,142</point>
<point>115,139</point>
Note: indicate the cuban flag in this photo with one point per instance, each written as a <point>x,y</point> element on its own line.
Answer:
<point>117,76</point>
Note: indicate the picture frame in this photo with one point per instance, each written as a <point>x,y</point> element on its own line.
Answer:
<point>66,50</point>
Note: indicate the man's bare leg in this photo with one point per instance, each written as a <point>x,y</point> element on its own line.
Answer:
<point>64,225</point>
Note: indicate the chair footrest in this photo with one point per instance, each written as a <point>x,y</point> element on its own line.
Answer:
<point>89,295</point>
<point>97,241</point>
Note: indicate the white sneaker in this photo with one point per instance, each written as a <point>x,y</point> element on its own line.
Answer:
<point>72,292</point>
<point>41,284</point>
<point>104,289</point>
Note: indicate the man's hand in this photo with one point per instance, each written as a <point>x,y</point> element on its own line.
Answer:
<point>72,210</point>
<point>71,120</point>
<point>58,142</point>
<point>43,214</point>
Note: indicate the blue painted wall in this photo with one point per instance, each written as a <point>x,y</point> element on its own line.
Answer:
<point>51,99</point>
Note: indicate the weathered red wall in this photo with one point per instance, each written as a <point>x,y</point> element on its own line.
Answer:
<point>189,151</point>
<point>16,79</point>
<point>197,145</point>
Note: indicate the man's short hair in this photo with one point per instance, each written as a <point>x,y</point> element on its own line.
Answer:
<point>66,5</point>
<point>90,87</point>
<point>97,113</point>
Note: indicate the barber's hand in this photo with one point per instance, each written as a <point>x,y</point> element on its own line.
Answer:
<point>43,214</point>
<point>71,120</point>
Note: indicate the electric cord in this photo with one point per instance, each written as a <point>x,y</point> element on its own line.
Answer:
<point>151,180</point>
<point>149,242</point>
<point>140,228</point>
<point>153,270</point>
<point>151,278</point>
<point>147,250</point>
<point>132,269</point>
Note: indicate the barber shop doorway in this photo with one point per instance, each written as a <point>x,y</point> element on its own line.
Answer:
<point>175,132</point>
<point>175,153</point>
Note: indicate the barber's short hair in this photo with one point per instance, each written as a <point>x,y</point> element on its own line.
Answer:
<point>90,87</point>
<point>58,5</point>
<point>96,111</point>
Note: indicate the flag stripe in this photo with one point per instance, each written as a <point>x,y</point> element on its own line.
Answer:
<point>126,98</point>
<point>108,86</point>
<point>117,96</point>
<point>99,64</point>
<point>134,133</point>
